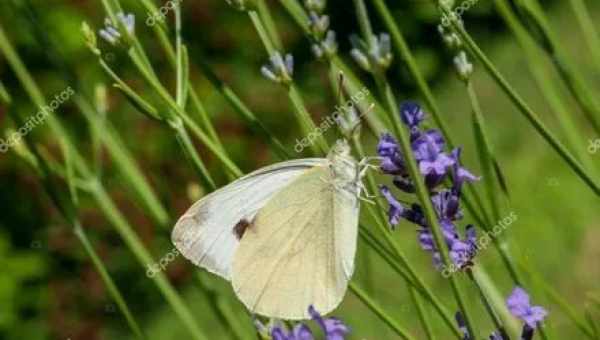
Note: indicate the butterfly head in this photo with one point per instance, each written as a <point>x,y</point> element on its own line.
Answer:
<point>340,149</point>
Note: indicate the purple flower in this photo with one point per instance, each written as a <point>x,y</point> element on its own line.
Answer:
<point>519,306</point>
<point>461,251</point>
<point>396,210</point>
<point>392,162</point>
<point>412,116</point>
<point>461,175</point>
<point>433,163</point>
<point>300,332</point>
<point>404,183</point>
<point>446,204</point>
<point>333,328</point>
<point>460,320</point>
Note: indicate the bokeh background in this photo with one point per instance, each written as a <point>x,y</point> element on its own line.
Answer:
<point>49,288</point>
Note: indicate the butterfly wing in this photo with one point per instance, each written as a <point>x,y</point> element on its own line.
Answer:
<point>205,234</point>
<point>299,250</point>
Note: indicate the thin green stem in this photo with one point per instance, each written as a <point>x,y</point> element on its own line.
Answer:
<point>124,161</point>
<point>304,120</point>
<point>422,314</point>
<point>110,285</point>
<point>353,82</point>
<point>486,156</point>
<point>404,334</point>
<point>66,206</point>
<point>547,86</point>
<point>97,190</point>
<point>535,20</point>
<point>587,27</point>
<point>525,109</point>
<point>486,302</point>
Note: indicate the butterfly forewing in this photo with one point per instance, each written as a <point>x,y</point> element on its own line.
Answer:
<point>206,234</point>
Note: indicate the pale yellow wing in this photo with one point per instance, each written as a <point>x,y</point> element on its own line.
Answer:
<point>299,250</point>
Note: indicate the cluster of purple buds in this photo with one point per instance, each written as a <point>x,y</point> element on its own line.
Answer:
<point>520,307</point>
<point>435,165</point>
<point>333,328</point>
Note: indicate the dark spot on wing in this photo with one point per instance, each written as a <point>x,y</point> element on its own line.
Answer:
<point>240,228</point>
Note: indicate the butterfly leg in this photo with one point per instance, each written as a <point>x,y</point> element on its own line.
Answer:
<point>367,197</point>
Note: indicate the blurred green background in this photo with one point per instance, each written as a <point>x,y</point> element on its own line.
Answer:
<point>49,288</point>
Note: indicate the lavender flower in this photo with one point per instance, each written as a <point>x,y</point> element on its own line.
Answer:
<point>325,47</point>
<point>435,165</point>
<point>396,211</point>
<point>462,326</point>
<point>460,320</point>
<point>279,70</point>
<point>374,55</point>
<point>333,328</point>
<point>461,175</point>
<point>392,161</point>
<point>300,332</point>
<point>318,24</point>
<point>112,34</point>
<point>519,306</point>
<point>463,66</point>
<point>412,115</point>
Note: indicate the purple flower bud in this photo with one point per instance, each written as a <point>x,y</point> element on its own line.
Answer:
<point>411,114</point>
<point>300,332</point>
<point>333,328</point>
<point>519,306</point>
<point>396,210</point>
<point>392,162</point>
<point>461,175</point>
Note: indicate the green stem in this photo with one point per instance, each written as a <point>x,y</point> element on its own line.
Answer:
<point>380,312</point>
<point>124,161</point>
<point>304,120</point>
<point>110,285</point>
<point>525,109</point>
<point>99,194</point>
<point>422,313</point>
<point>299,15</point>
<point>546,85</point>
<point>486,302</point>
<point>486,156</point>
<point>587,27</point>
<point>121,225</point>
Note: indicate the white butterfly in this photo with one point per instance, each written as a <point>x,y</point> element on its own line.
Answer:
<point>284,235</point>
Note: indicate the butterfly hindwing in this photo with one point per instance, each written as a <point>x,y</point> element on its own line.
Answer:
<point>299,249</point>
